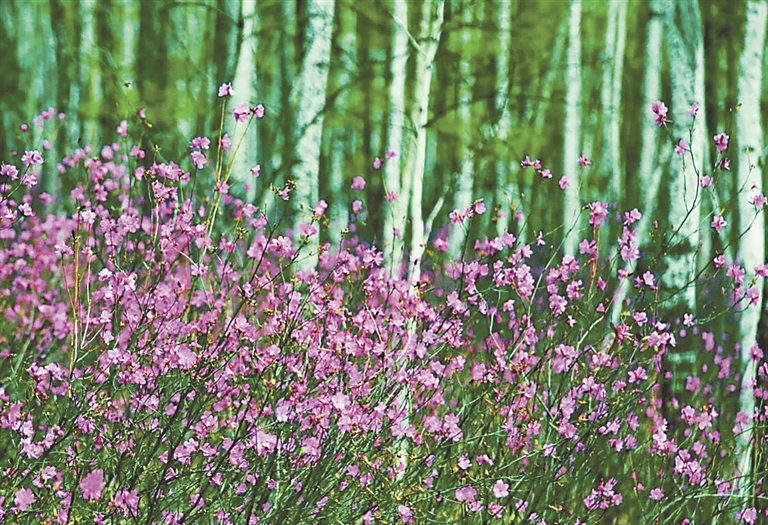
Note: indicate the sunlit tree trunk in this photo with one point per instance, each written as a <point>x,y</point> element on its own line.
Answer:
<point>396,211</point>
<point>686,61</point>
<point>308,98</point>
<point>751,251</point>
<point>649,170</point>
<point>572,131</point>
<point>462,196</point>
<point>343,139</point>
<point>429,37</point>
<point>506,190</point>
<point>613,67</point>
<point>245,90</point>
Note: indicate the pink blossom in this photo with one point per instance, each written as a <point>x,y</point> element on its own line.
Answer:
<point>320,208</point>
<point>545,173</point>
<point>377,163</point>
<point>390,155</point>
<point>405,513</point>
<point>705,181</point>
<point>724,164</point>
<point>357,206</point>
<point>681,147</point>
<point>225,142</point>
<point>467,493</point>
<point>500,489</point>
<point>656,494</point>
<point>358,183</point>
<point>31,158</point>
<point>564,182</point>
<point>24,498</point>
<point>200,143</point>
<point>122,128</point>
<point>256,170</point>
<point>391,196</point>
<point>198,159</point>
<point>718,223</point>
<point>225,90</point>
<point>758,201</point>
<point>258,111</point>
<point>479,207</point>
<point>92,485</point>
<point>694,109</point>
<point>584,161</point>
<point>721,142</point>
<point>527,162</point>
<point>9,171</point>
<point>659,110</point>
<point>240,112</point>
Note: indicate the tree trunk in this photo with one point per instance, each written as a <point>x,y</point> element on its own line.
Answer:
<point>506,192</point>
<point>613,67</point>
<point>685,46</point>
<point>429,38</point>
<point>751,251</point>
<point>462,197</point>
<point>308,98</point>
<point>244,87</point>
<point>572,131</point>
<point>343,139</point>
<point>396,211</point>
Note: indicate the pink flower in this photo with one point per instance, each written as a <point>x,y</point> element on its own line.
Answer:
<point>465,493</point>
<point>24,498</point>
<point>500,489</point>
<point>659,112</point>
<point>584,161</point>
<point>656,494</point>
<point>240,112</point>
<point>92,485</point>
<point>564,182</point>
<point>31,158</point>
<point>358,183</point>
<point>526,162</point>
<point>724,164</point>
<point>357,206</point>
<point>122,128</point>
<point>391,196</point>
<point>198,159</point>
<point>758,201</point>
<point>9,171</point>
<point>705,181</point>
<point>390,155</point>
<point>200,143</point>
<point>694,109</point>
<point>406,514</point>
<point>377,163</point>
<point>256,170</point>
<point>225,142</point>
<point>545,173</point>
<point>718,223</point>
<point>258,111</point>
<point>320,208</point>
<point>225,90</point>
<point>681,147</point>
<point>721,142</point>
<point>748,516</point>
<point>719,261</point>
<point>479,207</point>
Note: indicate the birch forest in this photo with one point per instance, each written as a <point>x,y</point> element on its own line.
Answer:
<point>428,127</point>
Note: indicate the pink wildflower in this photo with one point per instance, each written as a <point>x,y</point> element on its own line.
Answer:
<point>225,90</point>
<point>92,485</point>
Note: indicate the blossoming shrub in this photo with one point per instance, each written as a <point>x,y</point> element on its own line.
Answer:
<point>163,361</point>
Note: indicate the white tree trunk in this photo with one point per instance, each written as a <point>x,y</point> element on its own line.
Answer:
<point>613,67</point>
<point>506,192</point>
<point>572,131</point>
<point>244,87</point>
<point>396,212</point>
<point>685,46</point>
<point>462,197</point>
<point>751,251</point>
<point>429,38</point>
<point>343,143</point>
<point>308,97</point>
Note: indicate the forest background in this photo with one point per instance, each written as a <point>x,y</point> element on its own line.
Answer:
<point>434,103</point>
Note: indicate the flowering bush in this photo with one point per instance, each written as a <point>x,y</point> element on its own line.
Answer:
<point>165,362</point>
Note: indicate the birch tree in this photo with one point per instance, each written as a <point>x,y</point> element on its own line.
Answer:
<point>572,131</point>
<point>462,197</point>
<point>685,46</point>
<point>613,67</point>
<point>649,169</point>
<point>308,97</point>
<point>504,192</point>
<point>397,191</point>
<point>244,87</point>
<point>751,251</point>
<point>430,29</point>
<point>343,139</point>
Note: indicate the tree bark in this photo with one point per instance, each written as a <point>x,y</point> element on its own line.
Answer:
<point>396,212</point>
<point>572,131</point>
<point>751,251</point>
<point>429,39</point>
<point>308,98</point>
